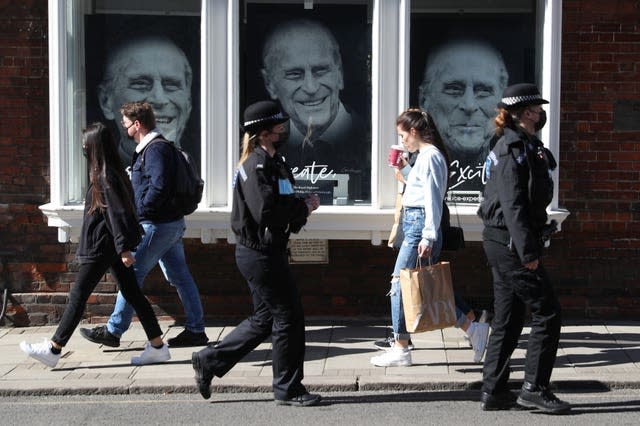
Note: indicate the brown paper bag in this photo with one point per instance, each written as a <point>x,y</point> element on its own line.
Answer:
<point>427,298</point>
<point>396,235</point>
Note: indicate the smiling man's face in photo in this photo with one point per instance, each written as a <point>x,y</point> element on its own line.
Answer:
<point>304,74</point>
<point>155,71</point>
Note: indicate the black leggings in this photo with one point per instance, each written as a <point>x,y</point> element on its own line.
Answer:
<point>87,278</point>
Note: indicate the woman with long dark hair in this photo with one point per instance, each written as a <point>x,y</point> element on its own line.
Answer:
<point>110,232</point>
<point>422,207</point>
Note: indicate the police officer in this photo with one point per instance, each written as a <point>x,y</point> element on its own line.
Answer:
<point>518,189</point>
<point>265,211</point>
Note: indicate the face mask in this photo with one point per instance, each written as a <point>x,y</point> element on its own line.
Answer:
<point>282,139</point>
<point>542,120</point>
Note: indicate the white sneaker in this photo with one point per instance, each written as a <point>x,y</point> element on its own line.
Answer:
<point>483,318</point>
<point>151,355</point>
<point>41,352</point>
<point>478,333</point>
<point>393,357</point>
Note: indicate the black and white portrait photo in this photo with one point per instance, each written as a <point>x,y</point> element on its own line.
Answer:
<point>460,64</point>
<point>145,58</point>
<point>314,63</point>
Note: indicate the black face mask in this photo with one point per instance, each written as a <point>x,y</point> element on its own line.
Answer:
<point>542,120</point>
<point>282,139</point>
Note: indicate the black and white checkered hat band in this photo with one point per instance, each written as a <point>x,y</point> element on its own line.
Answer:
<point>278,116</point>
<point>512,100</point>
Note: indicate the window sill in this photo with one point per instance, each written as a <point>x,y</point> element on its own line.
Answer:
<point>328,223</point>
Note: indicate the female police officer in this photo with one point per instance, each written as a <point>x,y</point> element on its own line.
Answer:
<point>517,192</point>
<point>265,211</point>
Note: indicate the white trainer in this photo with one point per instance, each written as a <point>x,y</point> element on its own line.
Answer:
<point>478,333</point>
<point>41,352</point>
<point>151,355</point>
<point>394,357</point>
<point>483,318</point>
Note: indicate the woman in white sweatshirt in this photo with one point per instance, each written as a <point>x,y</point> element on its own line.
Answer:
<point>426,186</point>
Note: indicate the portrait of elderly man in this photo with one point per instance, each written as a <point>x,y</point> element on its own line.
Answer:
<point>302,70</point>
<point>151,69</point>
<point>462,84</point>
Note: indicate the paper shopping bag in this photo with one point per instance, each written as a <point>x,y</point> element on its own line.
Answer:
<point>396,235</point>
<point>427,298</point>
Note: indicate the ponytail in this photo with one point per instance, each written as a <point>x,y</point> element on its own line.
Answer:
<point>506,118</point>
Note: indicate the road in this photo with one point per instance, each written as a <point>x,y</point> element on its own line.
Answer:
<point>618,407</point>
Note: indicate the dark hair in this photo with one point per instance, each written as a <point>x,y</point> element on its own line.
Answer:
<point>141,111</point>
<point>105,167</point>
<point>415,118</point>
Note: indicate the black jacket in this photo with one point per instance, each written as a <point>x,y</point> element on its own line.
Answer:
<point>518,190</point>
<point>154,185</point>
<point>112,231</point>
<point>265,208</point>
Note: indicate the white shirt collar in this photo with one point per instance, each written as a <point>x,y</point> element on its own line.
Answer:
<point>147,138</point>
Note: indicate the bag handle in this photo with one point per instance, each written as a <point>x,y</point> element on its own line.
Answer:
<point>419,262</point>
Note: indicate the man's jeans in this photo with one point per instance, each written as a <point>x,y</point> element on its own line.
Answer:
<point>412,225</point>
<point>162,243</point>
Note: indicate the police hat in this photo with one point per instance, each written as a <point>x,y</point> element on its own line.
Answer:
<point>262,115</point>
<point>521,95</point>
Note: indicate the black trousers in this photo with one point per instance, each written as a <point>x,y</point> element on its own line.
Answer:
<point>277,312</point>
<point>515,288</point>
<point>88,276</point>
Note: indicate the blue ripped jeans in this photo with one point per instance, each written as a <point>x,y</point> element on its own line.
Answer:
<point>412,225</point>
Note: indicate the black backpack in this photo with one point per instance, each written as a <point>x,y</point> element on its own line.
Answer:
<point>189,185</point>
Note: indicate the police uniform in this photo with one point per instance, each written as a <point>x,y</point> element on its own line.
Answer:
<point>265,211</point>
<point>518,189</point>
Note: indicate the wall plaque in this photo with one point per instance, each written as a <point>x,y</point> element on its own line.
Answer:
<point>626,115</point>
<point>309,251</point>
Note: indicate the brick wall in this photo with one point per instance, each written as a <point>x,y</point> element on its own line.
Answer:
<point>35,260</point>
<point>598,253</point>
<point>594,261</point>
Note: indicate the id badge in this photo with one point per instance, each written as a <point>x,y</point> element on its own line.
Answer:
<point>285,187</point>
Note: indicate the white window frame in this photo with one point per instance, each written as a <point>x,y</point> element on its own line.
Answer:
<point>220,29</point>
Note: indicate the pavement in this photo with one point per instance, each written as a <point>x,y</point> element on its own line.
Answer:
<point>604,355</point>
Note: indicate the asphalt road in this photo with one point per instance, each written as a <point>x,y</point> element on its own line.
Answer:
<point>618,407</point>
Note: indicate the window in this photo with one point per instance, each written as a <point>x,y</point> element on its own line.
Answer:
<point>315,61</point>
<point>224,55</point>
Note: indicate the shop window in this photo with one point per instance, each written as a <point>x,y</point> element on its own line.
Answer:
<point>314,59</point>
<point>367,61</point>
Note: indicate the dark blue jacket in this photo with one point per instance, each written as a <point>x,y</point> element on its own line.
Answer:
<point>153,179</point>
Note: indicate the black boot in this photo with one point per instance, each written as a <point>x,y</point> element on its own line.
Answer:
<point>504,400</point>
<point>540,397</point>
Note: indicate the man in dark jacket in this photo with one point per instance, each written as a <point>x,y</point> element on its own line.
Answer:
<point>153,178</point>
<point>519,188</point>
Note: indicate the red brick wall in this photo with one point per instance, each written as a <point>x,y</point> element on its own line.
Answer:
<point>598,263</point>
<point>594,261</point>
<point>24,158</point>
